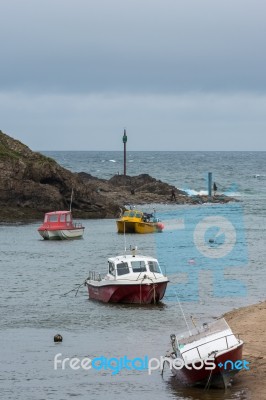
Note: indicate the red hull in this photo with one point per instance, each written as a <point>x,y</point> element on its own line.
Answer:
<point>131,294</point>
<point>218,376</point>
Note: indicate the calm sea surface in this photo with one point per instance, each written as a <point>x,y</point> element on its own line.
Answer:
<point>35,274</point>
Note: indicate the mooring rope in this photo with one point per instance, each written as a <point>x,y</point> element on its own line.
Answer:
<point>75,289</point>
<point>207,387</point>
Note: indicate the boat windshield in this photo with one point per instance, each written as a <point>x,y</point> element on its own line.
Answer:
<point>122,268</point>
<point>205,330</point>
<point>138,266</point>
<point>154,267</point>
<point>53,218</point>
<point>132,214</point>
<point>111,268</point>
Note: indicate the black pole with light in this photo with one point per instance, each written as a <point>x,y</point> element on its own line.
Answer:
<point>125,152</point>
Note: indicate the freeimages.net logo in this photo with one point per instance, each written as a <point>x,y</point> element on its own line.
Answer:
<point>197,239</point>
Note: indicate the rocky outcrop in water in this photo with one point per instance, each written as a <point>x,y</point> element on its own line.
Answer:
<point>141,189</point>
<point>32,184</point>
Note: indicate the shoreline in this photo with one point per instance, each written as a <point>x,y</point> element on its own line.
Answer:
<point>11,215</point>
<point>250,323</point>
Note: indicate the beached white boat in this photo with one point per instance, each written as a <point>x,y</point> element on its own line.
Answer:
<point>59,225</point>
<point>206,356</point>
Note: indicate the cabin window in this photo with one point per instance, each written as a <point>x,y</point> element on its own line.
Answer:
<point>138,266</point>
<point>154,267</point>
<point>111,268</point>
<point>62,218</point>
<point>122,268</point>
<point>132,214</point>
<point>138,215</point>
<point>126,214</point>
<point>68,218</point>
<point>53,218</point>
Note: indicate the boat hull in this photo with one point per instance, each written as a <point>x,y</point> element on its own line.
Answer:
<point>148,227</point>
<point>61,234</point>
<point>130,294</point>
<point>218,377</point>
<point>139,227</point>
<point>125,227</point>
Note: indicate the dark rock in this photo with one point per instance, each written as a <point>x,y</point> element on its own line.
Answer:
<point>32,184</point>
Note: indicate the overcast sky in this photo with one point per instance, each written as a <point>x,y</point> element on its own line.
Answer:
<point>177,74</point>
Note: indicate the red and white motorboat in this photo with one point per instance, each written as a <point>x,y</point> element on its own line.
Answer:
<point>59,225</point>
<point>209,356</point>
<point>130,279</point>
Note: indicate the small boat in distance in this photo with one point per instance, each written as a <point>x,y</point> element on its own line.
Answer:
<point>210,355</point>
<point>131,278</point>
<point>134,221</point>
<point>59,225</point>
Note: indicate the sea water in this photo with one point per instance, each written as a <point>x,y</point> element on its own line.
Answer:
<point>36,274</point>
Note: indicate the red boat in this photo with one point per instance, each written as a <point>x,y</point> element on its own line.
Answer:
<point>209,356</point>
<point>59,225</point>
<point>130,279</point>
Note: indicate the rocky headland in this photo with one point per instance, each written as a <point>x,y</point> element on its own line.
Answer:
<point>32,184</point>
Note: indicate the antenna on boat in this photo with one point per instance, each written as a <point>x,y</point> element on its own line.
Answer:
<point>183,314</point>
<point>125,241</point>
<point>71,199</point>
<point>193,321</point>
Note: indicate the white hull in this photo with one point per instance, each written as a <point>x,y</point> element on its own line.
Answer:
<point>62,234</point>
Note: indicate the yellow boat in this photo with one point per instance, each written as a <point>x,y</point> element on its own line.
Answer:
<point>134,221</point>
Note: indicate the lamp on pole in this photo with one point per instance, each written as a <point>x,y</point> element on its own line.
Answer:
<point>125,152</point>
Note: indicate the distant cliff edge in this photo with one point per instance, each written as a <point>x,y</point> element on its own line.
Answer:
<point>32,184</point>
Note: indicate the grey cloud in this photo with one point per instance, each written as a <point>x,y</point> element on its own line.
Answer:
<point>190,73</point>
<point>149,46</point>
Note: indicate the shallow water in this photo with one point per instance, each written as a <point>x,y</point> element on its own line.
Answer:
<point>35,274</point>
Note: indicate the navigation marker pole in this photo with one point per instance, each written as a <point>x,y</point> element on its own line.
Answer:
<point>125,152</point>
<point>209,184</point>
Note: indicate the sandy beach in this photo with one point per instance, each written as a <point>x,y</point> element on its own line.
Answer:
<point>250,323</point>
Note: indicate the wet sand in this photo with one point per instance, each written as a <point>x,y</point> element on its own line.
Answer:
<point>250,323</point>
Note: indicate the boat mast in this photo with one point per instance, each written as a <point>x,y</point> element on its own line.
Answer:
<point>125,240</point>
<point>71,199</point>
<point>183,314</point>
